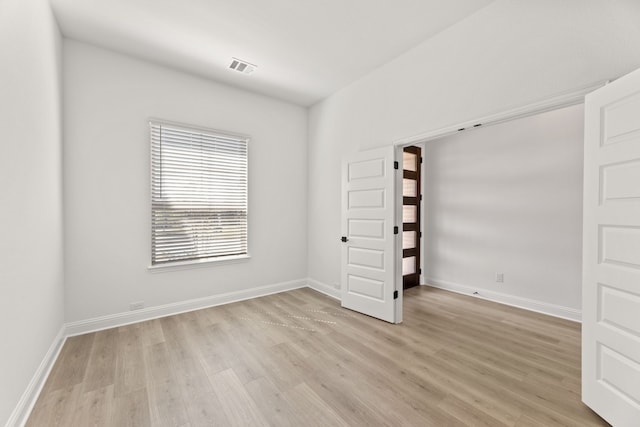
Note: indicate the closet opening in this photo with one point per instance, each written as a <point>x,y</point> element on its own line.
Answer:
<point>411,225</point>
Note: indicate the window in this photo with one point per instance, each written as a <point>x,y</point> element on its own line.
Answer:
<point>198,194</point>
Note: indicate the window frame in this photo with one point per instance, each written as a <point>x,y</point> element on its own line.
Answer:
<point>204,261</point>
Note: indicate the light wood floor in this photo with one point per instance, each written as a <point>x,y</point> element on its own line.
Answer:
<point>298,359</point>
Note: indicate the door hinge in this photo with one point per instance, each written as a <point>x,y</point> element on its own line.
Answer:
<point>421,197</point>
<point>421,234</point>
<point>419,271</point>
<point>395,165</point>
<point>344,239</point>
<point>395,294</point>
<point>420,159</point>
<point>395,229</point>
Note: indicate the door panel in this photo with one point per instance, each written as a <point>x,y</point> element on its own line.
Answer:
<point>367,228</point>
<point>370,258</point>
<point>368,248</point>
<point>611,252</point>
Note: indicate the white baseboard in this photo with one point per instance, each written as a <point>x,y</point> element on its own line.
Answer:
<point>324,288</point>
<point>126,318</point>
<point>515,301</point>
<point>28,399</point>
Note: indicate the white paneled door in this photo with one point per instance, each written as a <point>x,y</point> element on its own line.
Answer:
<point>368,239</point>
<point>611,252</point>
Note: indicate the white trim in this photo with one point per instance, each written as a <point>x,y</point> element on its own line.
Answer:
<point>324,288</point>
<point>25,405</point>
<point>204,262</point>
<point>126,318</point>
<point>564,99</point>
<point>512,300</point>
<point>200,128</point>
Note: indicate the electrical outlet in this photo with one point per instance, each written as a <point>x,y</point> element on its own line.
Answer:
<point>500,277</point>
<point>136,305</point>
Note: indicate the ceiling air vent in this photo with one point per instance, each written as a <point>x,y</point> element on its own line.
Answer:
<point>241,66</point>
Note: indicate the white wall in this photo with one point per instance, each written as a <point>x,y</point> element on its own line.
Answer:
<point>508,198</point>
<point>31,275</point>
<point>108,99</point>
<point>510,53</point>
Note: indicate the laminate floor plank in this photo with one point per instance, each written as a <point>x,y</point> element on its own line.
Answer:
<point>130,372</point>
<point>468,414</point>
<point>71,365</point>
<point>102,361</point>
<point>419,391</point>
<point>385,394</point>
<point>272,403</point>
<point>243,358</point>
<point>237,404</point>
<point>56,408</point>
<point>459,384</point>
<point>151,332</point>
<point>166,405</point>
<point>299,359</point>
<point>94,408</point>
<point>131,410</point>
<point>311,410</point>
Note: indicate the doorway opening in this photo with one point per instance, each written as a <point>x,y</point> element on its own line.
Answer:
<point>411,227</point>
<point>371,265</point>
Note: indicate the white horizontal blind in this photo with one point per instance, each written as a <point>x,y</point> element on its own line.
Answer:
<point>198,194</point>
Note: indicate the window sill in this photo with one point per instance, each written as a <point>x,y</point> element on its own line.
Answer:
<point>207,262</point>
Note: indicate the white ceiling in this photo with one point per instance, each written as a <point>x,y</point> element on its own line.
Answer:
<point>305,50</point>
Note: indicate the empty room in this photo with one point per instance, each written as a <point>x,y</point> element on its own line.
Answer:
<point>296,213</point>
